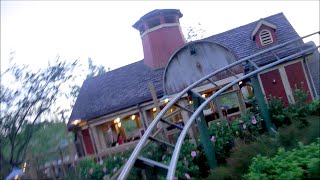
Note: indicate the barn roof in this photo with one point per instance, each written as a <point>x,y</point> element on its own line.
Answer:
<point>128,86</point>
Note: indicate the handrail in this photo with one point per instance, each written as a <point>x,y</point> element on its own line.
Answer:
<point>174,159</point>
<point>140,145</point>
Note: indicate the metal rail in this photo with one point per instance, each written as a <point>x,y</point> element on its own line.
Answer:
<point>143,140</point>
<point>174,159</point>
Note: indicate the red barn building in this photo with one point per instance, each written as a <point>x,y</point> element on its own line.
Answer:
<point>119,102</point>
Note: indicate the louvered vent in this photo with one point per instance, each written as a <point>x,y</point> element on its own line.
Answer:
<point>265,37</point>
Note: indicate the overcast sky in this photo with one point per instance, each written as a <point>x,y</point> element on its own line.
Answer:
<point>102,30</point>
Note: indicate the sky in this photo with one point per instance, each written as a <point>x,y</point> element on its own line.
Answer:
<point>40,30</point>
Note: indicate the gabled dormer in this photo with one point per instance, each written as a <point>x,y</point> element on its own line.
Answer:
<point>264,34</point>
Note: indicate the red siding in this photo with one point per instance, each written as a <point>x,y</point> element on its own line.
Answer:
<point>296,75</point>
<point>159,45</point>
<point>275,89</point>
<point>87,141</point>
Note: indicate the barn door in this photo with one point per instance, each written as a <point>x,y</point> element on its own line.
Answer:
<point>87,141</point>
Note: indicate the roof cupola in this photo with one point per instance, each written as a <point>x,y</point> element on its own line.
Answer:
<point>161,36</point>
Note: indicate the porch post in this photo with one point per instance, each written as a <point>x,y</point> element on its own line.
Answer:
<point>143,118</point>
<point>242,105</point>
<point>185,118</point>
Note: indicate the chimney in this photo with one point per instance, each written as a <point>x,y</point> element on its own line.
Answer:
<point>161,36</point>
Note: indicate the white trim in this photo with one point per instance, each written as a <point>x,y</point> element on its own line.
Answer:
<point>307,79</point>
<point>283,77</point>
<point>261,22</point>
<point>159,27</point>
<point>286,85</point>
<point>281,65</point>
<point>314,89</point>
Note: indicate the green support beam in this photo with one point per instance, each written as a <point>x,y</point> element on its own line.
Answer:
<point>263,108</point>
<point>205,141</point>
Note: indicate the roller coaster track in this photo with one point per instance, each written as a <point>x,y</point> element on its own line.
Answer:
<point>147,137</point>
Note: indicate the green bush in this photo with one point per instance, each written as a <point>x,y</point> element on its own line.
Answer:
<point>223,133</point>
<point>89,169</point>
<point>314,107</point>
<point>289,136</point>
<point>303,162</point>
<point>278,112</point>
<point>282,115</point>
<point>241,157</point>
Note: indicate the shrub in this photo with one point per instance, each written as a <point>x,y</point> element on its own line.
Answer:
<point>303,162</point>
<point>241,157</point>
<point>278,112</point>
<point>314,107</point>
<point>289,136</point>
<point>89,169</point>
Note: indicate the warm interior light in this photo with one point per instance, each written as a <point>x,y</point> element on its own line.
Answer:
<point>204,95</point>
<point>190,102</point>
<point>240,83</point>
<point>154,109</point>
<point>133,117</point>
<point>119,124</point>
<point>16,177</point>
<point>171,110</point>
<point>76,122</point>
<point>117,120</point>
<point>165,98</point>
<point>24,167</point>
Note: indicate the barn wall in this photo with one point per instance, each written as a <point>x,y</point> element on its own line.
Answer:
<point>87,141</point>
<point>281,80</point>
<point>272,85</point>
<point>295,74</point>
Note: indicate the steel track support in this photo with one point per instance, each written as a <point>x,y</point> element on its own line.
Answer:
<point>205,139</point>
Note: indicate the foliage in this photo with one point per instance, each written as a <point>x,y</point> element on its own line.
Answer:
<point>223,133</point>
<point>241,157</point>
<point>242,153</point>
<point>303,162</point>
<point>44,146</point>
<point>89,169</point>
<point>194,32</point>
<point>300,108</point>
<point>92,71</point>
<point>186,163</point>
<point>289,136</point>
<point>26,97</point>
<point>294,113</point>
<point>314,107</point>
<point>278,112</point>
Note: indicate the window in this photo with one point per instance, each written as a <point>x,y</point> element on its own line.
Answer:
<point>154,23</point>
<point>170,19</point>
<point>265,37</point>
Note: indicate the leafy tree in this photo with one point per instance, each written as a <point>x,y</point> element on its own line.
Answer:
<point>194,33</point>
<point>93,70</point>
<point>27,96</point>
